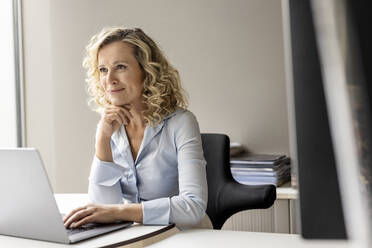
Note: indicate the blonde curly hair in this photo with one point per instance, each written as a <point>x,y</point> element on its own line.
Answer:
<point>162,90</point>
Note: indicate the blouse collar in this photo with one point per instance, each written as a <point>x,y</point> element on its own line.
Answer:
<point>121,141</point>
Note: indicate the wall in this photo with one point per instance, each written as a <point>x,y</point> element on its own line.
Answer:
<point>229,54</point>
<point>38,82</point>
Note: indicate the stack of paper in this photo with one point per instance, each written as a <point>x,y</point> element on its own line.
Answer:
<point>258,169</point>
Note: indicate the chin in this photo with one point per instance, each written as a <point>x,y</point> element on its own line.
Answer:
<point>118,102</point>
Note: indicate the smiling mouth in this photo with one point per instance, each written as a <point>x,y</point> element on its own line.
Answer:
<point>116,91</point>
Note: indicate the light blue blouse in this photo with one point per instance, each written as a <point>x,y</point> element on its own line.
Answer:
<point>168,176</point>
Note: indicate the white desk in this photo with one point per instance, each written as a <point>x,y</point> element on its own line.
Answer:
<point>233,239</point>
<point>67,202</point>
<point>172,237</point>
<point>119,238</point>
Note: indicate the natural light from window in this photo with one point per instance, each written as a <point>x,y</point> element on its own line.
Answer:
<point>8,123</point>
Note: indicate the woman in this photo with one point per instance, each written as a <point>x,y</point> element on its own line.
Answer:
<point>149,165</point>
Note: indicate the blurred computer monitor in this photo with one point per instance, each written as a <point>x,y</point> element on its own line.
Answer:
<point>321,213</point>
<point>344,44</point>
<point>329,74</point>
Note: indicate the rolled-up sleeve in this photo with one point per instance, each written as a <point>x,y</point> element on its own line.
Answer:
<point>189,206</point>
<point>104,182</point>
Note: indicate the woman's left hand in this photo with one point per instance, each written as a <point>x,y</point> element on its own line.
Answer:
<point>93,213</point>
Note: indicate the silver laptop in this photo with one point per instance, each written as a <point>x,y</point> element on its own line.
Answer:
<point>28,207</point>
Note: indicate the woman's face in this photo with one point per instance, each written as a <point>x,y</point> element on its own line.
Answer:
<point>120,74</point>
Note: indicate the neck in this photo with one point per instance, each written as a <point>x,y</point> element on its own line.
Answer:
<point>137,122</point>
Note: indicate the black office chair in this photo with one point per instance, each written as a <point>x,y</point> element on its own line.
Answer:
<point>226,196</point>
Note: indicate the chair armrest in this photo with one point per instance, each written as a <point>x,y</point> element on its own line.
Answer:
<point>234,197</point>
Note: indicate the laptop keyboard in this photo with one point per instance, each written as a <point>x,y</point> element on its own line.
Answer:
<point>90,226</point>
<point>83,228</point>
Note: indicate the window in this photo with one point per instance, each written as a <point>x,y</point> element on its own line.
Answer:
<point>11,90</point>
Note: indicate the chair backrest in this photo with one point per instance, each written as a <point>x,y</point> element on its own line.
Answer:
<point>226,196</point>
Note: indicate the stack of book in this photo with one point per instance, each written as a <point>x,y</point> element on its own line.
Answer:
<point>259,169</point>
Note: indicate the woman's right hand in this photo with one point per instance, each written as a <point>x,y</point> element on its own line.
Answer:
<point>111,120</point>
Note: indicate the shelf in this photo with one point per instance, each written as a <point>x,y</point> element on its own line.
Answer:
<point>286,191</point>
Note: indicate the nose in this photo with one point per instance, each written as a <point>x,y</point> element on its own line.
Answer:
<point>111,78</point>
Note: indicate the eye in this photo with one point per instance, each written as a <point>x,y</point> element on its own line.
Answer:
<point>121,67</point>
<point>102,70</point>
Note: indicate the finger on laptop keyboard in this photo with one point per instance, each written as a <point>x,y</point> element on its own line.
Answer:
<point>85,220</point>
<point>72,213</point>
<point>79,215</point>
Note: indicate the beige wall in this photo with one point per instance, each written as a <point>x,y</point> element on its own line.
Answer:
<point>229,54</point>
